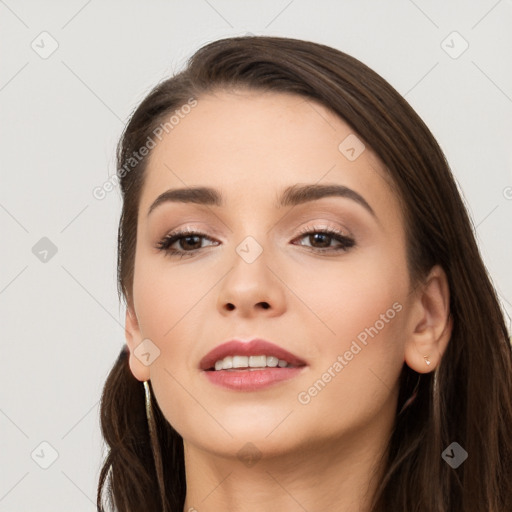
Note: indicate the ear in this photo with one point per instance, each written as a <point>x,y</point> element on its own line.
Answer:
<point>133,340</point>
<point>430,323</point>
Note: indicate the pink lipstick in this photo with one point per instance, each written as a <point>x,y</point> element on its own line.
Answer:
<point>250,366</point>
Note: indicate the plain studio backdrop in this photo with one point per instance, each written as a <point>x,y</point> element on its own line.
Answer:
<point>71,74</point>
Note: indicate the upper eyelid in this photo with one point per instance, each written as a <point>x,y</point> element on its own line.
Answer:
<point>303,231</point>
<point>306,227</point>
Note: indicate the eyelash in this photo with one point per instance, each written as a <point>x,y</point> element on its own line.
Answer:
<point>345,241</point>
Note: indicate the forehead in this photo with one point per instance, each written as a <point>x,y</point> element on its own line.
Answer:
<point>252,144</point>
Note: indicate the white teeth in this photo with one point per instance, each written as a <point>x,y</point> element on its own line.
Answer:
<point>257,361</point>
<point>250,362</point>
<point>272,361</point>
<point>240,362</point>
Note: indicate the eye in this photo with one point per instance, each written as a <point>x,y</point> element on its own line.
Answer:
<point>189,240</point>
<point>320,239</point>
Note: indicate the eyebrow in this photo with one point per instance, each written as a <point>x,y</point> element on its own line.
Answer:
<point>291,196</point>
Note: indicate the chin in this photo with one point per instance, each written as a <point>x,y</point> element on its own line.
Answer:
<point>270,436</point>
<point>249,447</point>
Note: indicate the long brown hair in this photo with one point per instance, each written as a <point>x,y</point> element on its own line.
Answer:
<point>470,399</point>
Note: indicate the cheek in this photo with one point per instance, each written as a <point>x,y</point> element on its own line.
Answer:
<point>351,295</point>
<point>171,315</point>
<point>167,301</point>
<point>359,346</point>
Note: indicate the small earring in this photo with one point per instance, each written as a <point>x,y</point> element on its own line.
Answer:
<point>426,360</point>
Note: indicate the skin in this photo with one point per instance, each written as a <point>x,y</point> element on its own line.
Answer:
<point>251,145</point>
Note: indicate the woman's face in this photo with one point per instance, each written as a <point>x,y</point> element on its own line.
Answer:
<point>258,270</point>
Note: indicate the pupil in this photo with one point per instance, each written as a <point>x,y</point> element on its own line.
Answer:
<point>319,236</point>
<point>186,240</point>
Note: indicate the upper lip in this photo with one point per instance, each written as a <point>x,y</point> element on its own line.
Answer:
<point>255,347</point>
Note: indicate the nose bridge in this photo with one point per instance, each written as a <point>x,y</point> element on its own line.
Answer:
<point>250,284</point>
<point>250,231</point>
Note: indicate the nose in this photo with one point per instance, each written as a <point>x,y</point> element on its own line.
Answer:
<point>252,288</point>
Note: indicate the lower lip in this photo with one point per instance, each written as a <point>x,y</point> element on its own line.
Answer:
<point>251,380</point>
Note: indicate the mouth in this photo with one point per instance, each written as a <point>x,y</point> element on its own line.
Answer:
<point>250,366</point>
<point>249,363</point>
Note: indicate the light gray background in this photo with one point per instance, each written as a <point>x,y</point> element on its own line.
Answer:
<point>61,116</point>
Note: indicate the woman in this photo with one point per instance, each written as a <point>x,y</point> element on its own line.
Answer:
<point>309,323</point>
